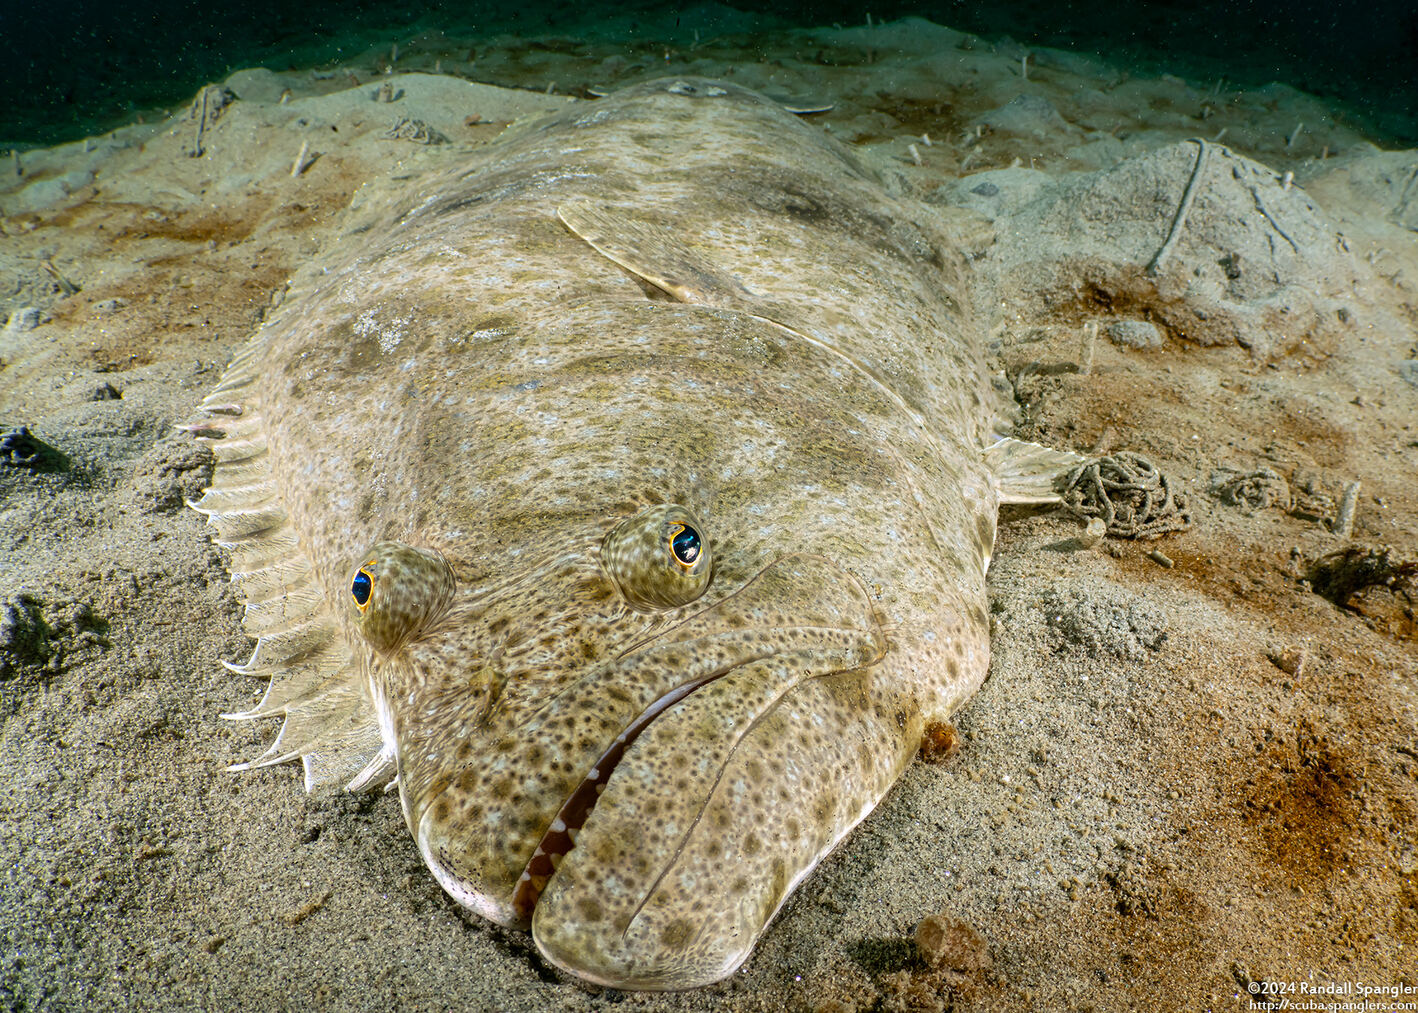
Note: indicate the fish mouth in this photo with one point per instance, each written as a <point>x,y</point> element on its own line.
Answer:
<point>672,770</point>
<point>560,836</point>
<point>842,633</point>
<point>526,821</point>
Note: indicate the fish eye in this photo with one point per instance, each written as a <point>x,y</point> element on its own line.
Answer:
<point>659,559</point>
<point>363,585</point>
<point>685,545</point>
<point>415,588</point>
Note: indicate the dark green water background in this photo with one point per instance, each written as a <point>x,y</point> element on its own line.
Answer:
<point>79,68</point>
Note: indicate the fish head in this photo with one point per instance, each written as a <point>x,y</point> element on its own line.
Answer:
<point>636,697</point>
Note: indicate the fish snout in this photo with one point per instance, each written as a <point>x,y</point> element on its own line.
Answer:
<point>648,816</point>
<point>727,799</point>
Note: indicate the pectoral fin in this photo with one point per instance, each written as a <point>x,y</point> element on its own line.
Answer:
<point>1029,472</point>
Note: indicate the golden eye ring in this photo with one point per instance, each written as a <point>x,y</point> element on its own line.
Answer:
<point>362,587</point>
<point>685,545</point>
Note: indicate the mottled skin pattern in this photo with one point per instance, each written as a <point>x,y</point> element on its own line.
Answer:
<point>676,298</point>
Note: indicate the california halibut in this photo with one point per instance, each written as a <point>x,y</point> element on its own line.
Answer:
<point>624,495</point>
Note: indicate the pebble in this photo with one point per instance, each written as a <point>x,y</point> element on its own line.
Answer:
<point>26,318</point>
<point>1134,334</point>
<point>1093,534</point>
<point>1291,660</point>
<point>947,943</point>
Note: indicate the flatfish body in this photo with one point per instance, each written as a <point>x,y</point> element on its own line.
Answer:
<point>626,494</point>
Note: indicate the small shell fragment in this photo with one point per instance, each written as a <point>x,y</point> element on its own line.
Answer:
<point>1093,533</point>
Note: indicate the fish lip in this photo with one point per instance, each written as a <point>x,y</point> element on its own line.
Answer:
<point>798,602</point>
<point>560,836</point>
<point>559,839</point>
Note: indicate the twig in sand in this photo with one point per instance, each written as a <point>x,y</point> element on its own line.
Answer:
<point>201,126</point>
<point>65,285</point>
<point>1348,505</point>
<point>1085,348</point>
<point>299,166</point>
<point>1155,265</point>
<point>1255,196</point>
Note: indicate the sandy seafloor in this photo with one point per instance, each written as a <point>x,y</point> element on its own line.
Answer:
<point>1178,782</point>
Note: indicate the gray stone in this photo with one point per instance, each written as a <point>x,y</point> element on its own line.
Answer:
<point>1134,334</point>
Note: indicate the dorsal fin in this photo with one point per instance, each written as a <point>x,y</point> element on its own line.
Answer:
<point>329,721</point>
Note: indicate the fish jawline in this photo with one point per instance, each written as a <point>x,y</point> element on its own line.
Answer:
<point>560,836</point>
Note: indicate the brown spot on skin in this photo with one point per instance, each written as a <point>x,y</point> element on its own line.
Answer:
<point>751,844</point>
<point>676,934</point>
<point>607,852</point>
<point>590,908</point>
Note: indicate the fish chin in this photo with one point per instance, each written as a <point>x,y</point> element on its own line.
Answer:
<point>718,807</point>
<point>687,831</point>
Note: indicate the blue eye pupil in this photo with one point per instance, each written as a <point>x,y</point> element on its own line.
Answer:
<point>361,587</point>
<point>686,545</point>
